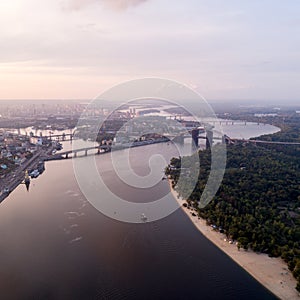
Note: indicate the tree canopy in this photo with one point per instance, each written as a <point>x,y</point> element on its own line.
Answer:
<point>258,202</point>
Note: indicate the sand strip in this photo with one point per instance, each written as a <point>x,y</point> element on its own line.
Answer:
<point>271,272</point>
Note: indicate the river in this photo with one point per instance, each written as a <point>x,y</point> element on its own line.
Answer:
<point>55,245</point>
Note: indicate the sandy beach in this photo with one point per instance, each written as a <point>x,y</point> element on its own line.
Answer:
<point>273,273</point>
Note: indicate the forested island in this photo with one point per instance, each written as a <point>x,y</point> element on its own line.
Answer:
<point>258,202</point>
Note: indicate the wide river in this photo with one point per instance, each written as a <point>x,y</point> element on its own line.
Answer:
<point>56,245</point>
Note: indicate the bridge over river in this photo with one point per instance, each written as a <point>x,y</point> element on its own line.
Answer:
<point>233,141</point>
<point>74,152</point>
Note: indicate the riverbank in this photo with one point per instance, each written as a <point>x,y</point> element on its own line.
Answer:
<point>16,178</point>
<point>272,272</point>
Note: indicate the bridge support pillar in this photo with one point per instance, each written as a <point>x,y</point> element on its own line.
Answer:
<point>209,139</point>
<point>225,139</point>
<point>195,137</point>
<point>85,152</point>
<point>75,154</point>
<point>67,155</point>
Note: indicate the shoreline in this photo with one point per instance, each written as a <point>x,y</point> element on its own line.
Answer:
<point>271,272</point>
<point>13,182</point>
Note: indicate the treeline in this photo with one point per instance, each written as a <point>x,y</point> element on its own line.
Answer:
<point>290,132</point>
<point>258,202</point>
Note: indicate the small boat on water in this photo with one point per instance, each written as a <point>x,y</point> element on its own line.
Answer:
<point>144,218</point>
<point>35,173</point>
<point>41,166</point>
<point>6,190</point>
<point>27,180</point>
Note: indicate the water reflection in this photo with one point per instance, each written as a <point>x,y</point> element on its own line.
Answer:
<point>55,245</point>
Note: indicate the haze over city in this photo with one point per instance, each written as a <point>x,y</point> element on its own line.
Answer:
<point>118,180</point>
<point>75,49</point>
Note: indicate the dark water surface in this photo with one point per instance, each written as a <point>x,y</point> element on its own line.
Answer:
<point>55,245</point>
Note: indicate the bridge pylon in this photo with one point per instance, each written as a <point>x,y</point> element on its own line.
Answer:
<point>209,139</point>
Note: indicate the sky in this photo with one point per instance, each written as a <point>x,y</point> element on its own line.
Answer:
<point>226,50</point>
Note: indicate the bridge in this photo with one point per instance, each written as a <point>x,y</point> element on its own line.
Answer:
<point>66,154</point>
<point>57,137</point>
<point>214,121</point>
<point>231,122</point>
<point>195,134</point>
<point>107,148</point>
<point>229,140</point>
<point>61,137</point>
<point>271,142</point>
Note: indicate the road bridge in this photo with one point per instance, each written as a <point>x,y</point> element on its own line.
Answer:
<point>75,152</point>
<point>233,141</point>
<point>57,137</point>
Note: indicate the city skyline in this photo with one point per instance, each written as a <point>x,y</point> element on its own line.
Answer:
<point>77,49</point>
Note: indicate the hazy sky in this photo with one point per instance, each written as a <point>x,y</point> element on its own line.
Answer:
<point>243,49</point>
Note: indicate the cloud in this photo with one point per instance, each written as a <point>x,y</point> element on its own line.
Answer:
<point>117,5</point>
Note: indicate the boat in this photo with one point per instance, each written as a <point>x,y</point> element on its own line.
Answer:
<point>35,173</point>
<point>26,178</point>
<point>144,218</point>
<point>41,166</point>
<point>6,190</point>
